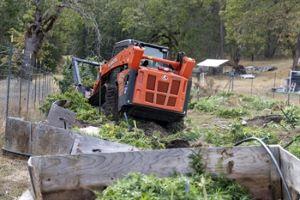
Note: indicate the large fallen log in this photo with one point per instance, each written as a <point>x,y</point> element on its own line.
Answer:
<point>27,138</point>
<point>249,166</point>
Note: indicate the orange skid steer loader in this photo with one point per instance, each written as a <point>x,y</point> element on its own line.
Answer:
<point>140,81</point>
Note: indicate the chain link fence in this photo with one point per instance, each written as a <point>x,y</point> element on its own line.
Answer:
<point>261,86</point>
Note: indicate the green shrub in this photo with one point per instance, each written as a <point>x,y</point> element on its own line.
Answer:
<point>91,116</point>
<point>237,132</point>
<point>257,103</point>
<point>136,137</point>
<point>295,148</point>
<point>292,115</point>
<point>226,94</point>
<point>76,103</point>
<point>215,136</point>
<point>209,104</point>
<point>231,112</point>
<point>191,134</point>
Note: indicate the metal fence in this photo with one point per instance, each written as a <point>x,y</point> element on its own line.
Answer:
<point>21,97</point>
<point>262,86</point>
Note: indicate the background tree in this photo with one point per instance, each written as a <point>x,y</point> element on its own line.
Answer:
<point>263,27</point>
<point>49,30</point>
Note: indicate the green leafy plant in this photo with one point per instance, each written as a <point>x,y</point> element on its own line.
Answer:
<point>295,148</point>
<point>291,115</point>
<point>257,103</point>
<point>196,185</point>
<point>208,104</point>
<point>231,112</point>
<point>135,137</point>
<point>148,187</point>
<point>77,103</point>
<point>230,105</point>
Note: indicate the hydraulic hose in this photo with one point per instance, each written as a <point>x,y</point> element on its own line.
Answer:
<point>273,160</point>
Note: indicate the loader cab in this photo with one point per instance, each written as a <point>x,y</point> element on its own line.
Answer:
<point>150,50</point>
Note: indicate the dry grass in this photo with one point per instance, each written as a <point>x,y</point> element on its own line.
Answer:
<point>263,83</point>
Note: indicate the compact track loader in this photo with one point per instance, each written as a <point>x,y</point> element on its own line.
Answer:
<point>142,82</point>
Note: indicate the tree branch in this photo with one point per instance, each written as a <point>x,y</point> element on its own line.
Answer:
<point>49,22</point>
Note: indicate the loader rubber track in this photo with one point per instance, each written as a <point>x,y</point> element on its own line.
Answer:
<point>110,105</point>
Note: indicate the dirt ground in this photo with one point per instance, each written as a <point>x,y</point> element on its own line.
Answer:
<point>14,177</point>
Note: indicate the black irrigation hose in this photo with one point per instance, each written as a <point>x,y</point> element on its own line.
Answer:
<point>273,160</point>
<point>292,141</point>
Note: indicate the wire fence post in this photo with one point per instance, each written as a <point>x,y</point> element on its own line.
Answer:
<point>198,86</point>
<point>34,91</point>
<point>47,85</point>
<point>8,81</point>
<point>28,96</point>
<point>252,86</point>
<point>232,86</point>
<point>39,87</point>
<point>274,84</point>
<point>288,97</point>
<point>20,97</point>
<point>42,87</point>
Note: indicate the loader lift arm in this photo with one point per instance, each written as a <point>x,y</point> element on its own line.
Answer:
<point>76,72</point>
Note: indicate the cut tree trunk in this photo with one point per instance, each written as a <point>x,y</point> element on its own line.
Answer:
<point>296,55</point>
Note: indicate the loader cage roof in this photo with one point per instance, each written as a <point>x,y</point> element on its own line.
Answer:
<point>150,49</point>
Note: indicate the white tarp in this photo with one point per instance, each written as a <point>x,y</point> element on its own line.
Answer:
<point>212,63</point>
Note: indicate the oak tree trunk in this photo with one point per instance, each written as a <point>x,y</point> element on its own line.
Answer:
<point>34,36</point>
<point>33,41</point>
<point>271,45</point>
<point>222,36</point>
